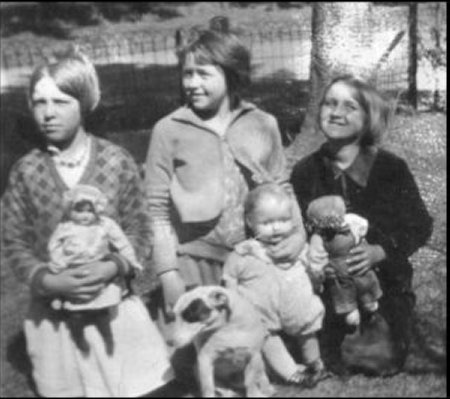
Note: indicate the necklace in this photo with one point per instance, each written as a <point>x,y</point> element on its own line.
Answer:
<point>73,162</point>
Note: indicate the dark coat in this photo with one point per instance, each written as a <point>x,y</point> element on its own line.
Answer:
<point>385,194</point>
<point>379,187</point>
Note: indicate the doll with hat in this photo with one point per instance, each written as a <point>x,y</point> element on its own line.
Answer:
<point>86,235</point>
<point>341,231</point>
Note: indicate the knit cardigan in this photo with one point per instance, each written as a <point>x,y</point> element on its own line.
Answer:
<point>184,169</point>
<point>32,204</point>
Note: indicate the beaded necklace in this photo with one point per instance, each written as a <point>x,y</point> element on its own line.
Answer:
<point>72,162</point>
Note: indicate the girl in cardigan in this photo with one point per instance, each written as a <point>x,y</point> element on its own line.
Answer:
<point>61,94</point>
<point>376,185</point>
<point>202,159</point>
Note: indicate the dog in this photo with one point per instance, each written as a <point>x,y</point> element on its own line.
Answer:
<point>228,336</point>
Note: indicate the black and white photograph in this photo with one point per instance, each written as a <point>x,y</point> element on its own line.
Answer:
<point>223,199</point>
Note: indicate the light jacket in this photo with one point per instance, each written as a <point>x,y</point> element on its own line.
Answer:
<point>184,168</point>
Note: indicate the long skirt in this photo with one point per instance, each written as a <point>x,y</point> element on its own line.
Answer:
<point>137,364</point>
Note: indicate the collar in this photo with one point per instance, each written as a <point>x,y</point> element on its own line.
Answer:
<point>185,114</point>
<point>73,161</point>
<point>359,170</point>
<point>254,248</point>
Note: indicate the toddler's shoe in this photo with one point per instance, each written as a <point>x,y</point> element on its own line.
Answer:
<point>353,318</point>
<point>299,376</point>
<point>315,373</point>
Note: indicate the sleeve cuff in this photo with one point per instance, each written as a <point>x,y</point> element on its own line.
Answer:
<point>388,243</point>
<point>123,266</point>
<point>35,270</point>
<point>35,280</point>
<point>164,248</point>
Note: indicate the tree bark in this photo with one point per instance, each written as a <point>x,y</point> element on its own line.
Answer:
<point>341,43</point>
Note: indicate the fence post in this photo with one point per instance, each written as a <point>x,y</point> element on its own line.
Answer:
<point>412,55</point>
<point>178,43</point>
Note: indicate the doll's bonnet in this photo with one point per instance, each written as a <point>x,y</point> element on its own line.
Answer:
<point>326,212</point>
<point>85,192</point>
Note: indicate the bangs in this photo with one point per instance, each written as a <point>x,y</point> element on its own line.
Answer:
<point>74,75</point>
<point>199,55</point>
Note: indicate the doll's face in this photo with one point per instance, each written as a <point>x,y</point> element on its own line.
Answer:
<point>83,213</point>
<point>341,116</point>
<point>271,221</point>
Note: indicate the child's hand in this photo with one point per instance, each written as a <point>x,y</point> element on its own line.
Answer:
<point>75,284</point>
<point>289,249</point>
<point>363,257</point>
<point>100,271</point>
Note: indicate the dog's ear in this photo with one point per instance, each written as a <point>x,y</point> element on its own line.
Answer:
<point>220,301</point>
<point>197,311</point>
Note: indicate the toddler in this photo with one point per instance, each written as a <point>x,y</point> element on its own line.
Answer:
<point>340,232</point>
<point>282,292</point>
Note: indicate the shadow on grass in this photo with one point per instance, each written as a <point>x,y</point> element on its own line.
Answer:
<point>429,344</point>
<point>17,357</point>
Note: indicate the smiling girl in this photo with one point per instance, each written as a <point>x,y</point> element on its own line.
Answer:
<point>202,159</point>
<point>375,184</point>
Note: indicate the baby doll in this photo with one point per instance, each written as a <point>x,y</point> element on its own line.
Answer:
<point>83,236</point>
<point>340,232</point>
<point>281,291</point>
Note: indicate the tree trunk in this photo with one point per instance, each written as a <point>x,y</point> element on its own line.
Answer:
<point>412,54</point>
<point>341,43</point>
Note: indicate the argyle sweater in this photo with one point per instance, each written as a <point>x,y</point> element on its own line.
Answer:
<point>31,206</point>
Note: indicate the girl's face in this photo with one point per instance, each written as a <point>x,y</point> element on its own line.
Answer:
<point>341,116</point>
<point>271,220</point>
<point>204,85</point>
<point>57,114</point>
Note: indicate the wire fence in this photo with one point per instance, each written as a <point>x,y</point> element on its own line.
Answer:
<point>140,77</point>
<point>277,54</point>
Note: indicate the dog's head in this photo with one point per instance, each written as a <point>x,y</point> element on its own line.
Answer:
<point>201,310</point>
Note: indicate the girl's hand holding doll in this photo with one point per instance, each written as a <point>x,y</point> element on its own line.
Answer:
<point>100,271</point>
<point>81,284</point>
<point>364,257</point>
